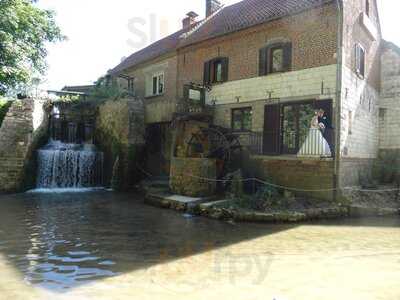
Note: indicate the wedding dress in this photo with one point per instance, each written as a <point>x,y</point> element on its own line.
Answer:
<point>315,144</point>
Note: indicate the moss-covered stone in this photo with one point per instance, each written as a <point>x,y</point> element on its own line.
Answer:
<point>193,177</point>
<point>119,134</point>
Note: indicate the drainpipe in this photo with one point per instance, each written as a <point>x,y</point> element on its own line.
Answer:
<point>340,17</point>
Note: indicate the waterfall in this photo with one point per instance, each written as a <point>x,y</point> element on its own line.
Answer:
<point>70,160</point>
<point>62,165</point>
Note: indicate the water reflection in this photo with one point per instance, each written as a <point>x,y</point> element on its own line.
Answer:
<point>60,241</point>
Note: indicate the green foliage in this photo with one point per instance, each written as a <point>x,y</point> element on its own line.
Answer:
<point>106,88</point>
<point>24,31</point>
<point>4,106</point>
<point>267,198</point>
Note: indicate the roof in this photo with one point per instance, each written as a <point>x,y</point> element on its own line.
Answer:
<point>249,13</point>
<point>161,47</point>
<point>78,88</point>
<point>229,19</point>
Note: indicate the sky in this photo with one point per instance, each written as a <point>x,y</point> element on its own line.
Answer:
<point>100,33</point>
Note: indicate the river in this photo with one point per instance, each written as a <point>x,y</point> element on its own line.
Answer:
<point>104,245</point>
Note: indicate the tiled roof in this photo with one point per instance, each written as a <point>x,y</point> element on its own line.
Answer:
<point>248,13</point>
<point>161,47</point>
<point>232,18</point>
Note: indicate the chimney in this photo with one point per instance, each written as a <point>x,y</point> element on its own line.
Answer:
<point>212,6</point>
<point>189,20</point>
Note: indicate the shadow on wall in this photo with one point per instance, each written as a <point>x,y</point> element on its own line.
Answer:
<point>360,129</point>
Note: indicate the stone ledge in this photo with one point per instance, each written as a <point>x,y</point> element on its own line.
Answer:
<point>175,202</point>
<point>214,209</point>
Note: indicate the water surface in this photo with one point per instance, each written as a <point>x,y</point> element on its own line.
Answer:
<point>60,242</point>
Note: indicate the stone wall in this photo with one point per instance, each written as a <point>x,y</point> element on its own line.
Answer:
<point>158,109</point>
<point>24,130</point>
<point>390,99</point>
<point>359,96</point>
<point>359,122</point>
<point>388,165</point>
<point>120,135</point>
<point>187,175</point>
<point>355,31</point>
<point>287,87</point>
<point>305,177</point>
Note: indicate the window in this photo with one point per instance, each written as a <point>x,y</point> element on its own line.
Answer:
<point>242,119</point>
<point>131,85</point>
<point>216,70</point>
<point>296,126</point>
<point>286,126</point>
<point>275,58</point>
<point>360,61</point>
<point>157,87</point>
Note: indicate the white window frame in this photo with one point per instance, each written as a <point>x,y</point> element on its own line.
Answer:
<point>160,82</point>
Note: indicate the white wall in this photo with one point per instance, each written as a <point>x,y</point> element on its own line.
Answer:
<point>304,84</point>
<point>359,119</point>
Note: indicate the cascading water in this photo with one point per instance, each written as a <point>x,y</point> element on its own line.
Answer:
<point>63,165</point>
<point>69,160</point>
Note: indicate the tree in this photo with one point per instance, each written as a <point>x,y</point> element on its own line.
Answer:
<point>24,31</point>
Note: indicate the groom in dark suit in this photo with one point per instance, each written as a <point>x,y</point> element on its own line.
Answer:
<point>326,129</point>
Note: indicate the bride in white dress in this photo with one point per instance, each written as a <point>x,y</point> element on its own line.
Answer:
<point>315,144</point>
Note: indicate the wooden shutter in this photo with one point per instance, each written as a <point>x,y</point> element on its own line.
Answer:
<point>207,72</point>
<point>225,68</point>
<point>262,61</point>
<point>287,56</point>
<point>272,126</point>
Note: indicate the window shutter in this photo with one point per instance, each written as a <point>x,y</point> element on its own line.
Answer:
<point>287,57</point>
<point>207,72</point>
<point>262,65</point>
<point>272,126</point>
<point>225,68</point>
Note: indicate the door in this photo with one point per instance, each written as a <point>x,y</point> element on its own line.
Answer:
<point>271,138</point>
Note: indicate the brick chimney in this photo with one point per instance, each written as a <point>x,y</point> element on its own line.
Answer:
<point>212,6</point>
<point>189,20</point>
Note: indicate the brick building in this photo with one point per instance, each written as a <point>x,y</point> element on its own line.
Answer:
<point>264,67</point>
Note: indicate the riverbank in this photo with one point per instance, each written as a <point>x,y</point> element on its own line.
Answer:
<point>299,210</point>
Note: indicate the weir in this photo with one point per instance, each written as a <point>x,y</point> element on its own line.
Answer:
<point>70,159</point>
